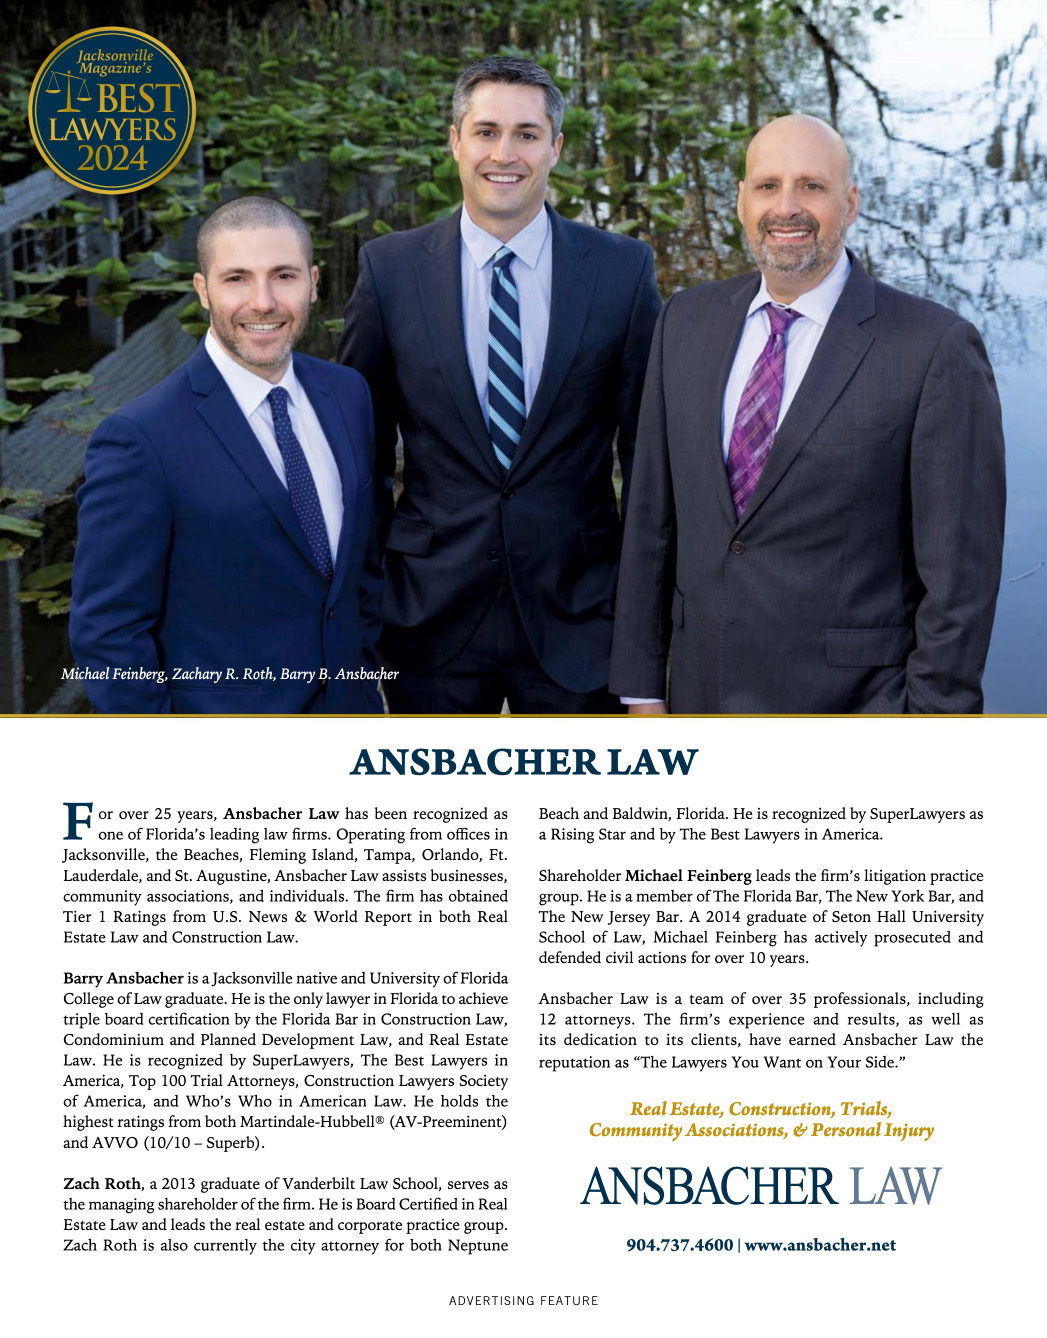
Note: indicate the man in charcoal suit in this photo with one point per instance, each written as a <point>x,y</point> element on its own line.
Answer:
<point>816,521</point>
<point>508,346</point>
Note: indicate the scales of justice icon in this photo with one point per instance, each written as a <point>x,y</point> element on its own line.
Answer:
<point>52,85</point>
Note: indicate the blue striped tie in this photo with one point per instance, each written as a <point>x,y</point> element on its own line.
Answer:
<point>505,386</point>
<point>305,501</point>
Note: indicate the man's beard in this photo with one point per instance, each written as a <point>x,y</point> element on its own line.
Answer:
<point>276,358</point>
<point>227,334</point>
<point>817,257</point>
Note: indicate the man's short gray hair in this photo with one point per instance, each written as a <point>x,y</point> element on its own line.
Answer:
<point>248,212</point>
<point>507,70</point>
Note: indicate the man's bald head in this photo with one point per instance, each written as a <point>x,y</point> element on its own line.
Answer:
<point>795,136</point>
<point>796,202</point>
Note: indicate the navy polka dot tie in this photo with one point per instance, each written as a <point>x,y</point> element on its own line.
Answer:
<point>304,499</point>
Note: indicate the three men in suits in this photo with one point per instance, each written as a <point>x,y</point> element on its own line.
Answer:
<point>226,558</point>
<point>816,520</point>
<point>508,346</point>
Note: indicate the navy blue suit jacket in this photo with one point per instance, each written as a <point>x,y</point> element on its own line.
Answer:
<point>552,521</point>
<point>194,589</point>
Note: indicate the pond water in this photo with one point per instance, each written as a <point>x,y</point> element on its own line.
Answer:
<point>970,231</point>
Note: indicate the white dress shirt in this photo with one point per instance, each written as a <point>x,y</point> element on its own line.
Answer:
<point>814,307</point>
<point>251,394</point>
<point>532,272</point>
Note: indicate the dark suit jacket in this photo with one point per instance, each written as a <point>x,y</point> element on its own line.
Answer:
<point>190,555</point>
<point>863,576</point>
<point>553,519</point>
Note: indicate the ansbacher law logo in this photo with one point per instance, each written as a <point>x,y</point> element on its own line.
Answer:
<point>112,110</point>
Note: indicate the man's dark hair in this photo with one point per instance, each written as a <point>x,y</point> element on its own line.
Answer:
<point>249,211</point>
<point>506,70</point>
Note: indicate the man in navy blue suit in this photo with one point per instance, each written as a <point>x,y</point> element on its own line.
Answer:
<point>226,558</point>
<point>508,346</point>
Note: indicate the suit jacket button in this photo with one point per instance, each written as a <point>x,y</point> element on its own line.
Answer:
<point>330,614</point>
<point>737,547</point>
<point>493,554</point>
<point>508,495</point>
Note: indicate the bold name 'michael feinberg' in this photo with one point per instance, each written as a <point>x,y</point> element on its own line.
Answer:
<point>791,1186</point>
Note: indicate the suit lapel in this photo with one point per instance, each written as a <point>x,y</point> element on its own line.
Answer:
<point>840,351</point>
<point>328,411</point>
<point>573,281</point>
<point>222,414</point>
<point>439,274</point>
<point>731,323</point>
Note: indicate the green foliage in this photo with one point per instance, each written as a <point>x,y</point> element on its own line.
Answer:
<point>13,413</point>
<point>9,309</point>
<point>67,381</point>
<point>84,423</point>
<point>113,273</point>
<point>44,578</point>
<point>162,262</point>
<point>49,602</point>
<point>51,274</point>
<point>43,588</point>
<point>193,319</point>
<point>660,92</point>
<point>349,220</point>
<point>29,529</point>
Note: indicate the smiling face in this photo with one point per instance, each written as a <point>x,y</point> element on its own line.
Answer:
<point>505,152</point>
<point>796,203</point>
<point>258,289</point>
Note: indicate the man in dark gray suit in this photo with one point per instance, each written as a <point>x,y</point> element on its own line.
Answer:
<point>816,522</point>
<point>508,345</point>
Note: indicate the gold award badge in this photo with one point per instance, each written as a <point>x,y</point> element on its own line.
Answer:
<point>112,110</point>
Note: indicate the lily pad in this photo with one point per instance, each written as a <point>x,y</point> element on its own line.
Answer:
<point>46,578</point>
<point>68,381</point>
<point>28,529</point>
<point>10,412</point>
<point>112,272</point>
<point>349,219</point>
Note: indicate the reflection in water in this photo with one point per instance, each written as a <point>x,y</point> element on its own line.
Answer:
<point>955,190</point>
<point>955,208</point>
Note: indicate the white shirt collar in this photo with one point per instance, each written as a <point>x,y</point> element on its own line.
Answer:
<point>526,245</point>
<point>248,389</point>
<point>818,303</point>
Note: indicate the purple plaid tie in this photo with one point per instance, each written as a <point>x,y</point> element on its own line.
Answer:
<point>754,425</point>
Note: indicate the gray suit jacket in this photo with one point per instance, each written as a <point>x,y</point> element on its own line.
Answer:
<point>864,574</point>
